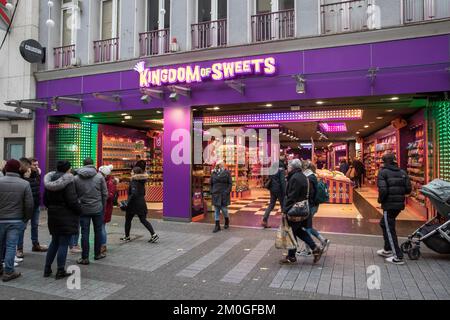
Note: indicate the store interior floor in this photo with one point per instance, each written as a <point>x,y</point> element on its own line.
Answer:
<point>335,218</point>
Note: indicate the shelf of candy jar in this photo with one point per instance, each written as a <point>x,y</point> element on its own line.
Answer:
<point>417,163</point>
<point>384,146</point>
<point>369,163</point>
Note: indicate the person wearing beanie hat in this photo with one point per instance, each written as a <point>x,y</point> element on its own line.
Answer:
<point>64,211</point>
<point>393,186</point>
<point>16,207</point>
<point>112,193</point>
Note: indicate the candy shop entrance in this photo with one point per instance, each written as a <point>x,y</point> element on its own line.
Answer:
<point>326,132</point>
<point>121,139</point>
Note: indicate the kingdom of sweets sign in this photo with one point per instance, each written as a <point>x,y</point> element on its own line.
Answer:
<point>194,73</point>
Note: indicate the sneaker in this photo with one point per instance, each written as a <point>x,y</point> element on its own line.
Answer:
<point>75,250</point>
<point>61,274</point>
<point>384,253</point>
<point>15,264</point>
<point>19,253</point>
<point>83,261</point>
<point>10,276</point>
<point>125,239</point>
<point>317,252</point>
<point>304,253</point>
<point>18,260</point>
<point>395,260</point>
<point>154,238</point>
<point>100,256</point>
<point>38,248</point>
<point>288,260</point>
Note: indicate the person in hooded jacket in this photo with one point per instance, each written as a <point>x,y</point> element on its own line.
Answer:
<point>92,193</point>
<point>136,205</point>
<point>112,189</point>
<point>221,186</point>
<point>64,211</point>
<point>393,186</point>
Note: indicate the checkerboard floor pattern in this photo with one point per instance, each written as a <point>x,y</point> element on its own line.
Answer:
<point>257,206</point>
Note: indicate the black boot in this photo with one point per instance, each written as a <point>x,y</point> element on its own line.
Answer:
<point>47,272</point>
<point>61,274</point>
<point>217,228</point>
<point>227,223</point>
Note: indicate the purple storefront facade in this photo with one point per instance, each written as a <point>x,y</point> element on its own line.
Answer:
<point>401,67</point>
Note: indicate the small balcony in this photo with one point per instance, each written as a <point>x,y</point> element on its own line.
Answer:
<point>425,10</point>
<point>348,16</point>
<point>106,50</point>
<point>154,42</point>
<point>209,34</point>
<point>273,26</point>
<point>63,56</point>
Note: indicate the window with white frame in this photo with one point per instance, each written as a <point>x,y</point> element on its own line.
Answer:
<point>211,10</point>
<point>265,6</point>
<point>158,14</point>
<point>273,19</point>
<point>110,19</point>
<point>69,21</point>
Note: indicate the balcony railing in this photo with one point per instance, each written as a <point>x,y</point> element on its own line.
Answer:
<point>155,42</point>
<point>273,25</point>
<point>106,50</point>
<point>63,56</point>
<point>209,34</point>
<point>348,16</point>
<point>425,10</point>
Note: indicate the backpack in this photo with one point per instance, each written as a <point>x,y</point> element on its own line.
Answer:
<point>322,193</point>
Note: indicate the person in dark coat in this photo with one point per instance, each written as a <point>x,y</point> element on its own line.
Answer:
<point>140,163</point>
<point>64,212</point>
<point>344,166</point>
<point>360,170</point>
<point>136,205</point>
<point>221,186</point>
<point>309,170</point>
<point>393,186</point>
<point>33,176</point>
<point>277,190</point>
<point>111,186</point>
<point>296,191</point>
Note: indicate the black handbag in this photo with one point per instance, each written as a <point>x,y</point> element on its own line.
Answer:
<point>300,210</point>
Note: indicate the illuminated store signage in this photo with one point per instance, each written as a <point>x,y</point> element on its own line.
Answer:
<point>194,73</point>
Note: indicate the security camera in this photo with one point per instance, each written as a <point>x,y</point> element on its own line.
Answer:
<point>145,99</point>
<point>174,97</point>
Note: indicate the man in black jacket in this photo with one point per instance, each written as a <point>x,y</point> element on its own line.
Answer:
<point>33,176</point>
<point>277,188</point>
<point>393,185</point>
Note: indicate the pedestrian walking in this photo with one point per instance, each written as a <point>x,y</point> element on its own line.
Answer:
<point>33,176</point>
<point>297,191</point>
<point>344,166</point>
<point>309,171</point>
<point>393,186</point>
<point>63,212</point>
<point>360,170</point>
<point>2,167</point>
<point>112,189</point>
<point>16,207</point>
<point>277,187</point>
<point>92,194</point>
<point>221,186</point>
<point>137,206</point>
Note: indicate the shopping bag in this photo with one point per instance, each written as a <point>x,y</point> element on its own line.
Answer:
<point>285,238</point>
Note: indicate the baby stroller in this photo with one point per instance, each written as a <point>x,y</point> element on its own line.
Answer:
<point>435,235</point>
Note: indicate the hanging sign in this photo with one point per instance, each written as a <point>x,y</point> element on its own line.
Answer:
<point>32,51</point>
<point>194,73</point>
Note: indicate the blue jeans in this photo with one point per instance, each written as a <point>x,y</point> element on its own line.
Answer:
<point>310,229</point>
<point>104,234</point>
<point>217,212</point>
<point>34,229</point>
<point>58,246</point>
<point>85,222</point>
<point>273,200</point>
<point>9,236</point>
<point>74,240</point>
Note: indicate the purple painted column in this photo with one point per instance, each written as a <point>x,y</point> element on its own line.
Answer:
<point>177,177</point>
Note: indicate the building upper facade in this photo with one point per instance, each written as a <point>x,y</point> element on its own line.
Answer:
<point>86,35</point>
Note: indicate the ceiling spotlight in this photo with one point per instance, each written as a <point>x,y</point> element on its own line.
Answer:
<point>216,108</point>
<point>358,132</point>
<point>366,126</point>
<point>320,102</point>
<point>300,87</point>
<point>122,121</point>
<point>145,99</point>
<point>128,117</point>
<point>390,110</point>
<point>158,111</point>
<point>124,114</point>
<point>395,98</point>
<point>379,118</point>
<point>269,105</point>
<point>89,116</point>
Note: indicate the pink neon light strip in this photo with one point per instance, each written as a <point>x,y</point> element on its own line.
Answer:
<point>299,116</point>
<point>334,127</point>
